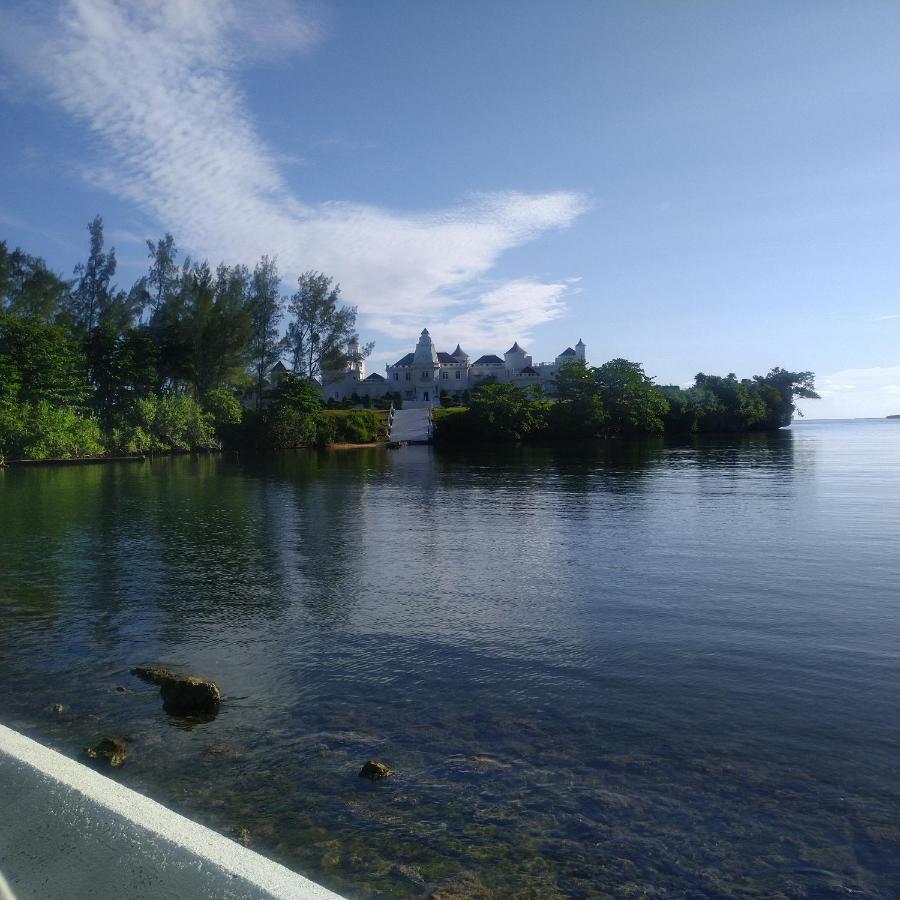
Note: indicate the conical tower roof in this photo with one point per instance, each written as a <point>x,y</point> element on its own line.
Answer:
<point>460,353</point>
<point>425,353</point>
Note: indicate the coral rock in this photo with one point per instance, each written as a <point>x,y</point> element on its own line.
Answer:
<point>375,770</point>
<point>109,751</point>
<point>153,674</point>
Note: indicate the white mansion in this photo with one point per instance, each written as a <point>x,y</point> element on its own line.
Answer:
<point>425,374</point>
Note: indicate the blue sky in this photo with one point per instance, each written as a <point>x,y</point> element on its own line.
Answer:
<point>703,186</point>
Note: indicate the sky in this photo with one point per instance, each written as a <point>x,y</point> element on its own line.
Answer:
<point>696,186</point>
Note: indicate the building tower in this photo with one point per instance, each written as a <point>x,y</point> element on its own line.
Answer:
<point>461,355</point>
<point>356,363</point>
<point>516,359</point>
<point>425,368</point>
<point>579,350</point>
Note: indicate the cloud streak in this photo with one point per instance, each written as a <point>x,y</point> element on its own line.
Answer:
<point>157,81</point>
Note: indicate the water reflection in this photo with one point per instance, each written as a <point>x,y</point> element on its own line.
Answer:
<point>598,668</point>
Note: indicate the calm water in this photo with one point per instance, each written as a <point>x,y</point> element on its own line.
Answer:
<point>654,670</point>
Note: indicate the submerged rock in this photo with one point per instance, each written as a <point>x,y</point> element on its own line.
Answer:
<point>375,770</point>
<point>412,874</point>
<point>183,695</point>
<point>222,751</point>
<point>57,708</point>
<point>110,751</point>
<point>463,888</point>
<point>239,834</point>
<point>153,674</point>
<point>188,695</point>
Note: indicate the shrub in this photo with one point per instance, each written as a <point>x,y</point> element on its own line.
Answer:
<point>224,407</point>
<point>361,427</point>
<point>295,417</point>
<point>159,423</point>
<point>45,431</point>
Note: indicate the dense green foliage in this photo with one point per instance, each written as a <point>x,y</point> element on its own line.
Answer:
<point>295,417</point>
<point>87,367</point>
<point>618,399</point>
<point>716,404</point>
<point>358,426</point>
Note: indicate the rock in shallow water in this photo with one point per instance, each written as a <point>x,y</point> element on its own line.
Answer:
<point>110,751</point>
<point>375,770</point>
<point>187,694</point>
<point>153,674</point>
<point>183,695</point>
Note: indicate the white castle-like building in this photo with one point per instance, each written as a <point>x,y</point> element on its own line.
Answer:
<point>426,374</point>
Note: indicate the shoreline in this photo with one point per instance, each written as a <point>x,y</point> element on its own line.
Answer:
<point>344,445</point>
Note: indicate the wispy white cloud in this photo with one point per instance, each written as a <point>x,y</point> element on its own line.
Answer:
<point>157,81</point>
<point>885,318</point>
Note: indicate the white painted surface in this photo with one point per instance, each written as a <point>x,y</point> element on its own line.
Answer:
<point>411,425</point>
<point>67,831</point>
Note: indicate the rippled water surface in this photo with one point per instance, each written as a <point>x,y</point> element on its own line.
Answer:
<point>661,670</point>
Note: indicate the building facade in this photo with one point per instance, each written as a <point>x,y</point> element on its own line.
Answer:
<point>426,374</point>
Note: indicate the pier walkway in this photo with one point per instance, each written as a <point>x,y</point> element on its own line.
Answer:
<point>411,426</point>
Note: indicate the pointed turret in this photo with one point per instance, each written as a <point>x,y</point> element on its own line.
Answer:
<point>425,354</point>
<point>516,359</point>
<point>459,353</point>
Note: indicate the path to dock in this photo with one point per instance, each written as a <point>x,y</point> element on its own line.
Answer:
<point>411,426</point>
<point>68,832</point>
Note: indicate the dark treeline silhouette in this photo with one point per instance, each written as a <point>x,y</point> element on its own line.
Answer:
<point>176,361</point>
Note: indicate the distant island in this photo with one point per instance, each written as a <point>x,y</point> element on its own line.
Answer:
<point>895,416</point>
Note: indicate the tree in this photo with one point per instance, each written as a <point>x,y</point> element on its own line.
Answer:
<point>163,278</point>
<point>579,410</point>
<point>634,404</point>
<point>43,362</point>
<point>683,409</point>
<point>265,307</point>
<point>27,287</point>
<point>786,385</point>
<point>216,326</point>
<point>320,329</point>
<point>295,417</point>
<point>93,293</point>
<point>43,392</point>
<point>504,412</point>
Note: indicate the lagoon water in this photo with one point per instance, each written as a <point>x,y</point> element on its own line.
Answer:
<point>658,669</point>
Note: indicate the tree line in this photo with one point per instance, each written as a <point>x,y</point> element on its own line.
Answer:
<point>619,400</point>
<point>179,361</point>
<point>88,366</point>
